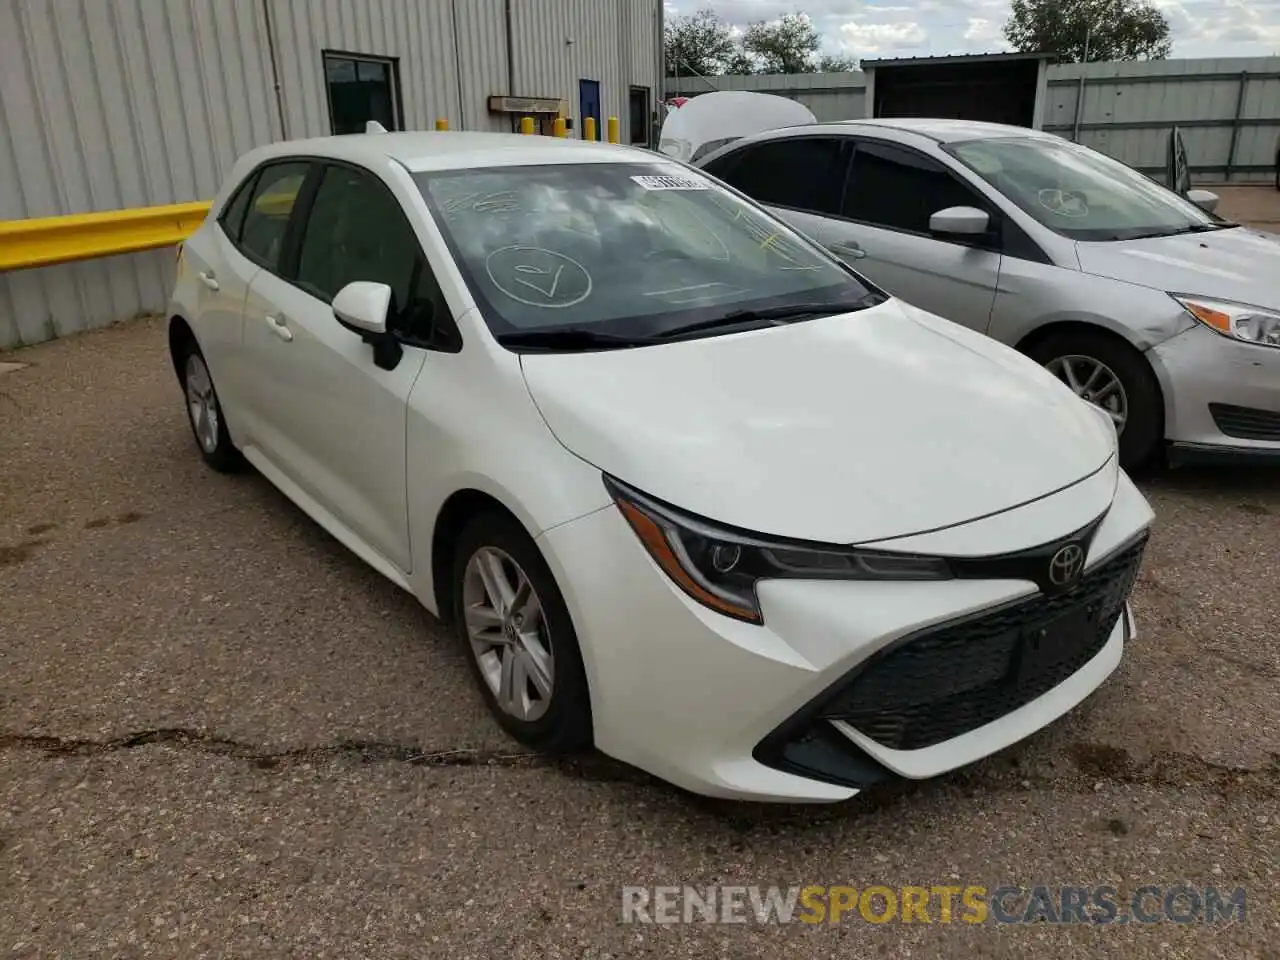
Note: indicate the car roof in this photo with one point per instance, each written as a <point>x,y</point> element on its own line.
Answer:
<point>948,131</point>
<point>451,150</point>
<point>938,130</point>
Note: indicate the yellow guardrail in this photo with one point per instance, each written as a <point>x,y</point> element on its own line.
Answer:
<point>46,241</point>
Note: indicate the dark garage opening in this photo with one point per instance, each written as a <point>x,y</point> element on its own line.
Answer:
<point>999,88</point>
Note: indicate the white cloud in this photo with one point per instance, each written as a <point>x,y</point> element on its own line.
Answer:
<point>860,38</point>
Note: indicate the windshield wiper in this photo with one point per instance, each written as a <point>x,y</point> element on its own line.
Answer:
<point>789,313</point>
<point>568,339</point>
<point>1179,231</point>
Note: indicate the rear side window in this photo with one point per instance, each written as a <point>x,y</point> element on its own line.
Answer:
<point>232,218</point>
<point>900,189</point>
<point>266,218</point>
<point>805,173</point>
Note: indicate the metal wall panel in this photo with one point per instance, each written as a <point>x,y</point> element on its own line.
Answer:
<point>1128,109</point>
<point>117,104</point>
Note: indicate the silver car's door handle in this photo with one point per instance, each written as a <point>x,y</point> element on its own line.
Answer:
<point>278,327</point>
<point>208,279</point>
<point>847,248</point>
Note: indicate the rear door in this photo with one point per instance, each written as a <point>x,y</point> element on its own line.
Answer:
<point>222,275</point>
<point>247,239</point>
<point>800,179</point>
<point>883,232</point>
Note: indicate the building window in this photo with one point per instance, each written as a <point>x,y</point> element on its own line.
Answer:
<point>639,116</point>
<point>361,89</point>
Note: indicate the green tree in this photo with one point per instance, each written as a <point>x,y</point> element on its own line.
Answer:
<point>699,43</point>
<point>1114,29</point>
<point>788,45</point>
<point>835,63</point>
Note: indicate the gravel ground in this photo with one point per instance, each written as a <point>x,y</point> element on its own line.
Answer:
<point>221,736</point>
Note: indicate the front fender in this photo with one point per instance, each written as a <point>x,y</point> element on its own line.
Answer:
<point>1031,296</point>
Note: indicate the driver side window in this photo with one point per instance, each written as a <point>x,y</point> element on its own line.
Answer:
<point>900,189</point>
<point>355,230</point>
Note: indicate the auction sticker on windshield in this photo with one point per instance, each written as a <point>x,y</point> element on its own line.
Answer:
<point>650,182</point>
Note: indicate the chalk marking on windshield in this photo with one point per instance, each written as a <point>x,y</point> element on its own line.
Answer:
<point>696,286</point>
<point>527,268</point>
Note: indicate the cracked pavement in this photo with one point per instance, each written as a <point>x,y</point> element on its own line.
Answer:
<point>222,736</point>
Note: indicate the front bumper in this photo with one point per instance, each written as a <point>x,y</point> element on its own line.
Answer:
<point>714,705</point>
<point>1222,396</point>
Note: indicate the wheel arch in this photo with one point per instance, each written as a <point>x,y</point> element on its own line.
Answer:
<point>458,509</point>
<point>180,336</point>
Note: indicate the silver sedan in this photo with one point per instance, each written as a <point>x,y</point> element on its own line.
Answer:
<point>1143,301</point>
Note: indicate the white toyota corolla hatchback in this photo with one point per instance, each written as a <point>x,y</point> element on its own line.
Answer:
<point>689,488</point>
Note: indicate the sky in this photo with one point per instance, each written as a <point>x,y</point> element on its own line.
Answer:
<point>902,28</point>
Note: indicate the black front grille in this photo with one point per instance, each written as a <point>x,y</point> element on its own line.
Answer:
<point>955,678</point>
<point>1246,423</point>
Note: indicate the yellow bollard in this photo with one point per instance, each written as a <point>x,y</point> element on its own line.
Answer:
<point>558,128</point>
<point>613,129</point>
<point>442,124</point>
<point>589,128</point>
<point>526,124</point>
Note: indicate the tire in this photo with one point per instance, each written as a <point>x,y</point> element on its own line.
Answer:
<point>1142,433</point>
<point>204,411</point>
<point>558,723</point>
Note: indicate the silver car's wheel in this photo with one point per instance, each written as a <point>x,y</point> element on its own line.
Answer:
<point>202,403</point>
<point>509,635</point>
<point>1092,380</point>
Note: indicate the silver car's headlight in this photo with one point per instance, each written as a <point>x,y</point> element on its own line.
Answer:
<point>1239,321</point>
<point>720,567</point>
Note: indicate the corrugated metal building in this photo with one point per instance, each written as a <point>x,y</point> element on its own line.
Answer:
<point>110,104</point>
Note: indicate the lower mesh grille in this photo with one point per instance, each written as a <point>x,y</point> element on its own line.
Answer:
<point>958,677</point>
<point>1246,423</point>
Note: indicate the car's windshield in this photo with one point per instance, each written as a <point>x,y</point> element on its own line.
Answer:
<point>625,250</point>
<point>1079,192</point>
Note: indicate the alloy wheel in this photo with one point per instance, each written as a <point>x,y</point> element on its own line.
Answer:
<point>1092,380</point>
<point>202,403</point>
<point>507,629</point>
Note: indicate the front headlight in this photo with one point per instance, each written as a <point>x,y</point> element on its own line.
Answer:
<point>720,567</point>
<point>1237,320</point>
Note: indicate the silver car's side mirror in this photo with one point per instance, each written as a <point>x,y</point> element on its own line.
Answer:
<point>1206,200</point>
<point>363,306</point>
<point>960,221</point>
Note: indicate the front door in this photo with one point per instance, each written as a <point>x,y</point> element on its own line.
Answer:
<point>589,105</point>
<point>331,421</point>
<point>883,232</point>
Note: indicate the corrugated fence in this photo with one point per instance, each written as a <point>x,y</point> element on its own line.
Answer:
<point>1228,109</point>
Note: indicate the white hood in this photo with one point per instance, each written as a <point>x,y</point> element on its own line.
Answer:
<point>711,119</point>
<point>848,429</point>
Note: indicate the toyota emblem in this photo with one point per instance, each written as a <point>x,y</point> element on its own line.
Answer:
<point>1066,565</point>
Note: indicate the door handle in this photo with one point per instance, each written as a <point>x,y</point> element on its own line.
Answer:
<point>847,248</point>
<point>208,279</point>
<point>278,327</point>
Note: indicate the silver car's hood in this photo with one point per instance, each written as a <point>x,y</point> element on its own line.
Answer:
<point>1239,264</point>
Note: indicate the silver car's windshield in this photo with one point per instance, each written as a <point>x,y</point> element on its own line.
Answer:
<point>1079,192</point>
<point>625,249</point>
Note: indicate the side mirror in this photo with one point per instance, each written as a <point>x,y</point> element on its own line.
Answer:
<point>1204,199</point>
<point>362,307</point>
<point>960,222</point>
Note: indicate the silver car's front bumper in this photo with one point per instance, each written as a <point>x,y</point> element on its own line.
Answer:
<point>1221,396</point>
